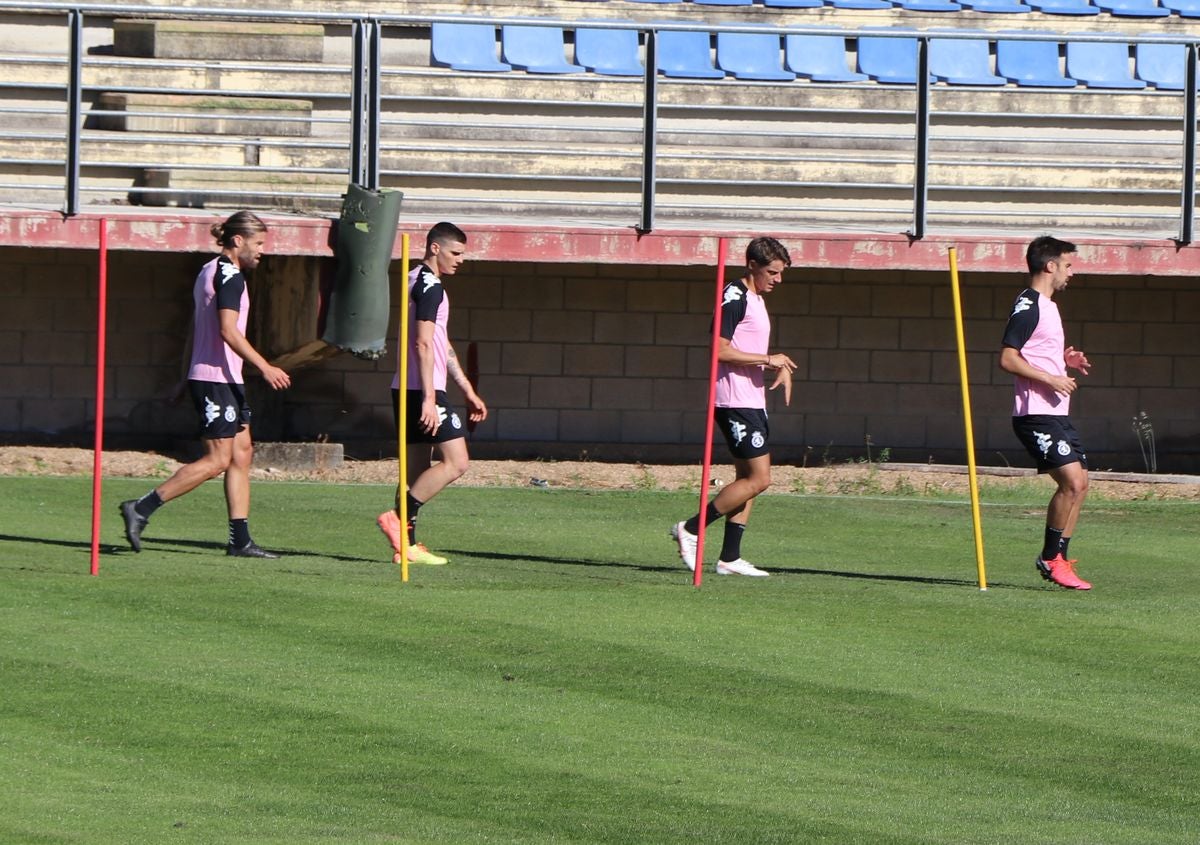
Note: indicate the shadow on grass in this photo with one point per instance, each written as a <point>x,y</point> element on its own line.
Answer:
<point>188,546</point>
<point>782,570</point>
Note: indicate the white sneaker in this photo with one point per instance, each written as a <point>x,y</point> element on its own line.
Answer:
<point>687,545</point>
<point>740,567</point>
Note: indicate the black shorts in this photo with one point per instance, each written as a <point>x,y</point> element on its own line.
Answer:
<point>452,427</point>
<point>745,429</point>
<point>1051,440</point>
<point>222,408</point>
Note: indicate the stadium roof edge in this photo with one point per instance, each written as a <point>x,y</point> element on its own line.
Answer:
<point>187,231</point>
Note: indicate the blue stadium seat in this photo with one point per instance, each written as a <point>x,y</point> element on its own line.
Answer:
<point>724,2</point>
<point>1133,8</point>
<point>655,1</point>
<point>537,49</point>
<point>609,52</point>
<point>1183,8</point>
<point>1100,65</point>
<point>888,59</point>
<point>928,5</point>
<point>686,55</point>
<point>1002,7</point>
<point>751,56</point>
<point>860,4</point>
<point>1162,65</point>
<point>962,62</point>
<point>1065,7</point>
<point>1031,64</point>
<point>794,4</point>
<point>465,46</point>
<point>821,58</point>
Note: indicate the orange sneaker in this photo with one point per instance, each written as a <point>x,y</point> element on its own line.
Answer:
<point>1061,572</point>
<point>390,525</point>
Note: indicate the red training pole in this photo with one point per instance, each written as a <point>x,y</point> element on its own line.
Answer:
<point>97,460</point>
<point>722,249</point>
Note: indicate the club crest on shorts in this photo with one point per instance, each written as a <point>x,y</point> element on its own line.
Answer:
<point>455,421</point>
<point>230,413</point>
<point>1064,448</point>
<point>756,440</point>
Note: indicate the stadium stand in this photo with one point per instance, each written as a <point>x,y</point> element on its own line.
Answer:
<point>465,46</point>
<point>998,7</point>
<point>821,58</point>
<point>536,49</point>
<point>1031,64</point>
<point>1133,8</point>
<point>1101,65</point>
<point>609,52</point>
<point>1079,8</point>
<point>962,62</point>
<point>793,4</point>
<point>752,56</point>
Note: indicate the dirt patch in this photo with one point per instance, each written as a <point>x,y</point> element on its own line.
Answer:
<point>850,478</point>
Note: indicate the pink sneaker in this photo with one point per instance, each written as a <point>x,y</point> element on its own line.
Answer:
<point>389,524</point>
<point>1061,572</point>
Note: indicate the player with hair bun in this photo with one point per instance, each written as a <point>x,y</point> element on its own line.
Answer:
<point>214,379</point>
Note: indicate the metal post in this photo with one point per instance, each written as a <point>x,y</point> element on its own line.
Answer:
<point>357,95</point>
<point>649,132</point>
<point>74,109</point>
<point>374,99</point>
<point>921,176</point>
<point>1188,200</point>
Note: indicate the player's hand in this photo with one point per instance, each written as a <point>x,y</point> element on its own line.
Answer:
<point>276,377</point>
<point>783,376</point>
<point>779,361</point>
<point>1075,359</point>
<point>430,419</point>
<point>1063,384</point>
<point>476,410</point>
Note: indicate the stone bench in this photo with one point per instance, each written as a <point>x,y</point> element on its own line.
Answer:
<point>219,40</point>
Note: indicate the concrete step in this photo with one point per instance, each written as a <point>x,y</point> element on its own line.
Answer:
<point>219,40</point>
<point>202,115</point>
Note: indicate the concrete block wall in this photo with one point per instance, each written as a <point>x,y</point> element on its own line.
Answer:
<point>611,362</point>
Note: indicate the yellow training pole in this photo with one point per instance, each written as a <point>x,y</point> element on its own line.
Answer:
<point>402,428</point>
<point>966,400</point>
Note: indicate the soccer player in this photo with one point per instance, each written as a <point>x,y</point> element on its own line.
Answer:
<point>1033,351</point>
<point>219,347</point>
<point>432,424</point>
<point>740,410</point>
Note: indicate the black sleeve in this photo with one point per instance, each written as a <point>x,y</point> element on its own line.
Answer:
<point>733,308</point>
<point>426,296</point>
<point>1022,320</point>
<point>230,284</point>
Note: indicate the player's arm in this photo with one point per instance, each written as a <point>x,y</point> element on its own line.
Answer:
<point>477,410</point>
<point>236,341</point>
<point>425,365</point>
<point>1012,362</point>
<point>728,354</point>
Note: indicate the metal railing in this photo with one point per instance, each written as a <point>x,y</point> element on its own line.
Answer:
<point>362,103</point>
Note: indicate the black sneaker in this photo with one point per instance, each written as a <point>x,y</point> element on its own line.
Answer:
<point>251,549</point>
<point>134,523</point>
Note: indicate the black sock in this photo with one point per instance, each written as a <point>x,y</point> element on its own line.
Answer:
<point>1051,542</point>
<point>239,533</point>
<point>414,507</point>
<point>731,548</point>
<point>711,515</point>
<point>1062,546</point>
<point>148,504</point>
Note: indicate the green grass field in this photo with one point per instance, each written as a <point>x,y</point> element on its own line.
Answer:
<point>562,681</point>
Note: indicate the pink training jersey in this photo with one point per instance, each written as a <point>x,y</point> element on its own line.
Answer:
<point>1035,330</point>
<point>427,302</point>
<point>220,286</point>
<point>747,327</point>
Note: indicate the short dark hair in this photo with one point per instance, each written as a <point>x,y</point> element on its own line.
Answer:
<point>1043,250</point>
<point>242,223</point>
<point>444,233</point>
<point>762,251</point>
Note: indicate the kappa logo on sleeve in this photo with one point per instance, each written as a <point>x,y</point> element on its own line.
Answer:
<point>228,271</point>
<point>733,293</point>
<point>1023,303</point>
